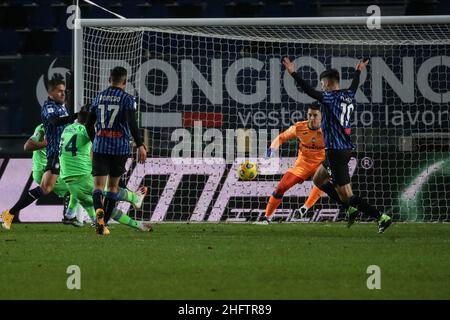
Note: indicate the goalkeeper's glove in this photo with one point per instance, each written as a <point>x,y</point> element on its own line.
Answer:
<point>270,153</point>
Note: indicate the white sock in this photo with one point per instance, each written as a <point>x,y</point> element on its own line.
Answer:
<point>79,212</point>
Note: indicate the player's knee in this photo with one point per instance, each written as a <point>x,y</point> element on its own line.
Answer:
<point>46,188</point>
<point>277,195</point>
<point>319,181</point>
<point>281,190</point>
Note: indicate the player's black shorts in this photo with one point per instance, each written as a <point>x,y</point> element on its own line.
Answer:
<point>52,164</point>
<point>336,163</point>
<point>106,164</point>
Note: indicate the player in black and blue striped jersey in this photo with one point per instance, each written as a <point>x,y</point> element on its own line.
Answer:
<point>337,106</point>
<point>110,125</point>
<point>54,117</point>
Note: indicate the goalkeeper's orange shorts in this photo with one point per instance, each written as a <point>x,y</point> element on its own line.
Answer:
<point>303,169</point>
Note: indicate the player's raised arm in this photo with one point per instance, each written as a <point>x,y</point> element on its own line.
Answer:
<point>359,67</point>
<point>290,67</point>
<point>280,139</point>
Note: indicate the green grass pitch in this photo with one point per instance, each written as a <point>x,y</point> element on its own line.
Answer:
<point>227,261</point>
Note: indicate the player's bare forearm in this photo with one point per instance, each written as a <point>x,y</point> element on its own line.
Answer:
<point>32,145</point>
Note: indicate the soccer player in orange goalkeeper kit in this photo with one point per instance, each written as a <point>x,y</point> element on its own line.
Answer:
<point>311,153</point>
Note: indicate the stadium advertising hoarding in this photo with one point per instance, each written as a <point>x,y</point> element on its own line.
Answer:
<point>235,104</point>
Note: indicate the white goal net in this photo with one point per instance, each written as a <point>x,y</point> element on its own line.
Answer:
<point>211,94</point>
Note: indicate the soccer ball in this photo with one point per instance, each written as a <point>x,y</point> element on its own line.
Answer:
<point>247,171</point>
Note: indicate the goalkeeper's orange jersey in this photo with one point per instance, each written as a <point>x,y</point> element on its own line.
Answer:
<point>311,150</point>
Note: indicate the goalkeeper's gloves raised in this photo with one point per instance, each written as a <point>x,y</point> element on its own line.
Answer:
<point>270,153</point>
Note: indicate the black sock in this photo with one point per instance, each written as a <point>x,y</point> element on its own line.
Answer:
<point>110,204</point>
<point>26,199</point>
<point>329,189</point>
<point>97,196</point>
<point>364,207</point>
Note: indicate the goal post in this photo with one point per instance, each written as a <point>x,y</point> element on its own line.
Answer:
<point>213,92</point>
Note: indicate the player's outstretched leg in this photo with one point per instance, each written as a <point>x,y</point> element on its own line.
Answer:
<point>7,219</point>
<point>313,197</point>
<point>70,216</point>
<point>351,214</point>
<point>83,192</point>
<point>24,201</point>
<point>384,221</point>
<point>350,211</point>
<point>90,211</point>
<point>97,197</point>
<point>135,198</point>
<point>124,219</point>
<point>287,182</point>
<point>111,199</point>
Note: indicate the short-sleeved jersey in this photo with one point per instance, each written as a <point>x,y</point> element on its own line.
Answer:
<point>39,156</point>
<point>75,151</point>
<point>336,108</point>
<point>311,149</point>
<point>112,132</point>
<point>53,133</point>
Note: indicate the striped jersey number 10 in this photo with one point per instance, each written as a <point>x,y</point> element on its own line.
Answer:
<point>103,110</point>
<point>346,112</point>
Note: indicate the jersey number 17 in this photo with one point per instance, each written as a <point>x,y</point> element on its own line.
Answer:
<point>104,109</point>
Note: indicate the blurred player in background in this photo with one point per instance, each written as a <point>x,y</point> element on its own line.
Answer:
<point>337,106</point>
<point>110,125</point>
<point>54,118</point>
<point>76,169</point>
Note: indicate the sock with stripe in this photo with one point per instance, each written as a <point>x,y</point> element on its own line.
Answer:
<point>126,195</point>
<point>122,218</point>
<point>27,199</point>
<point>110,204</point>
